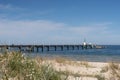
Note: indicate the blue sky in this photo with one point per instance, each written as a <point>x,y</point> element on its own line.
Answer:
<point>59,21</point>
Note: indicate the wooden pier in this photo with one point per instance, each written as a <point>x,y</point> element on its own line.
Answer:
<point>42,48</point>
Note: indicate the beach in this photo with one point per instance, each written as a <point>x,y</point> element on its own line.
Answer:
<point>59,39</point>
<point>16,66</point>
<point>84,70</point>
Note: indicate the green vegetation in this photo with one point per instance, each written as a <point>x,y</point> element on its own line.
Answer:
<point>60,60</point>
<point>114,67</point>
<point>104,69</point>
<point>99,77</point>
<point>16,66</point>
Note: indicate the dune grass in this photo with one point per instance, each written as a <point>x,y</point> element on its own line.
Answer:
<point>15,66</point>
<point>115,70</point>
<point>104,69</point>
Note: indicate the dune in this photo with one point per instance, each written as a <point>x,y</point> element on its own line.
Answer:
<point>84,70</point>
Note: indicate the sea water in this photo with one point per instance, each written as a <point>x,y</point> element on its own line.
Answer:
<point>107,54</point>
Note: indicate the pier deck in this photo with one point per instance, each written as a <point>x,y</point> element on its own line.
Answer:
<point>36,48</point>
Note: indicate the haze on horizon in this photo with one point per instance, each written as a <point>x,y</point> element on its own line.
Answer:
<point>59,21</point>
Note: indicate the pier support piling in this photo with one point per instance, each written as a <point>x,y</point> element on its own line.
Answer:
<point>62,47</point>
<point>55,48</point>
<point>37,48</point>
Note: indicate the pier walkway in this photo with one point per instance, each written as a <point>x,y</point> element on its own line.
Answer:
<point>37,48</point>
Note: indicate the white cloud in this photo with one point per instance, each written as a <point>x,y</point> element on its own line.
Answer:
<point>5,6</point>
<point>43,31</point>
<point>103,24</point>
<point>9,7</point>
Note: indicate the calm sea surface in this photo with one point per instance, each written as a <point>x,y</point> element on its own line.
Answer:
<point>110,53</point>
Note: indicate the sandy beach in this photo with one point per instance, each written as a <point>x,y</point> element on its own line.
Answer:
<point>84,70</point>
<point>15,66</point>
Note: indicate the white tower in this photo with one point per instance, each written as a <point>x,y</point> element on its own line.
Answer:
<point>84,43</point>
